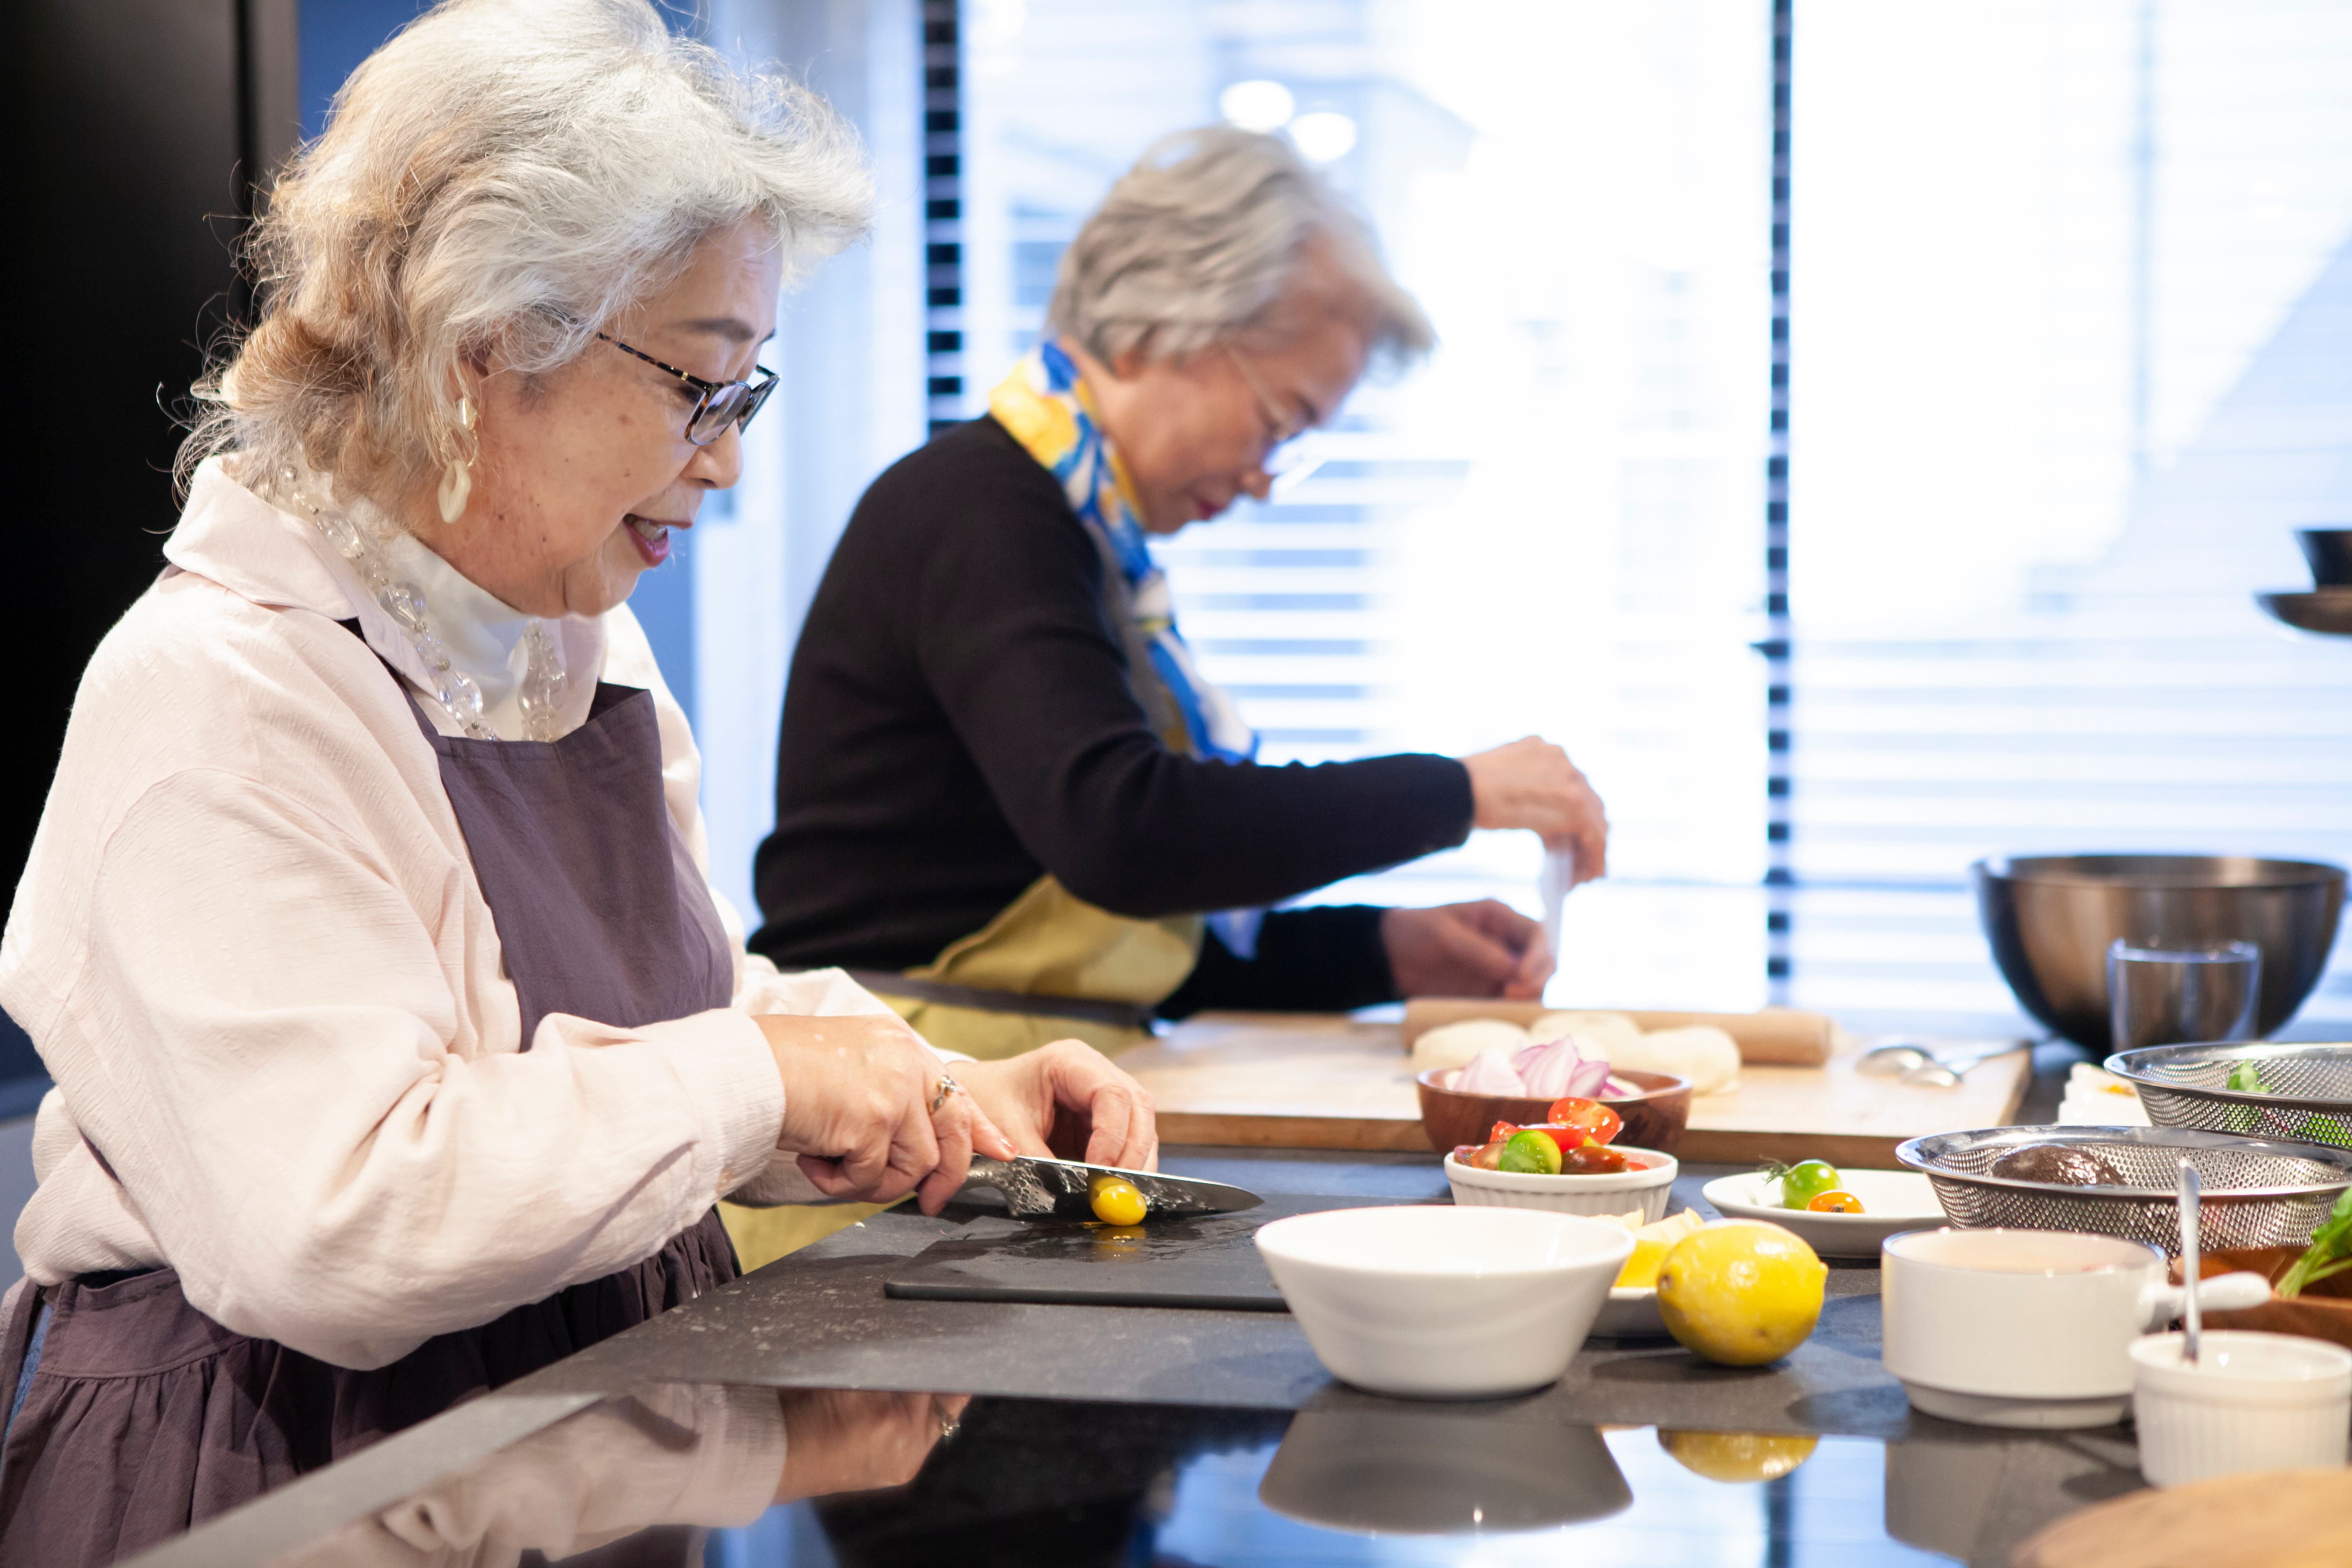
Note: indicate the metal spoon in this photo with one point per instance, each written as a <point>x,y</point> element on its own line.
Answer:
<point>1922,1069</point>
<point>2191,1318</point>
<point>1893,1060</point>
<point>1944,1072</point>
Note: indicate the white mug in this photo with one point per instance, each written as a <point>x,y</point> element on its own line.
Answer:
<point>2029,1328</point>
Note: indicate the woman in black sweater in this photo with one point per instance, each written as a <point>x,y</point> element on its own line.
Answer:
<point>1005,798</point>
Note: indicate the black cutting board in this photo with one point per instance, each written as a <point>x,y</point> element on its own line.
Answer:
<point>1210,1261</point>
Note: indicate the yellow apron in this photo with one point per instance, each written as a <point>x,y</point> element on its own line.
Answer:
<point>1046,942</point>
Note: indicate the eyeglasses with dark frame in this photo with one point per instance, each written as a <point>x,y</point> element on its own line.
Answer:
<point>1282,428</point>
<point>717,404</point>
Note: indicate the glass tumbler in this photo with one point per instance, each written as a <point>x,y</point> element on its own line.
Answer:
<point>2169,996</point>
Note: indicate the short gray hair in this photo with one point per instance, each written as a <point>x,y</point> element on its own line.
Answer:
<point>1199,243</point>
<point>507,172</point>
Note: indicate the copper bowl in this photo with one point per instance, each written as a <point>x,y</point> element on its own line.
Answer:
<point>1654,1118</point>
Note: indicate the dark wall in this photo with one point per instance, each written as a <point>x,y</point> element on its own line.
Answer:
<point>135,117</point>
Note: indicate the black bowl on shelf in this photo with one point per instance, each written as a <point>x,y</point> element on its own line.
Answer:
<point>2329,551</point>
<point>2326,611</point>
<point>2050,920</point>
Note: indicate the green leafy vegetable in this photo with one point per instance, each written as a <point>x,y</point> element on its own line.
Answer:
<point>2246,1079</point>
<point>2325,1130</point>
<point>2330,1253</point>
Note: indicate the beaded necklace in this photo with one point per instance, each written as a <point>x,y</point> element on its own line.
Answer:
<point>545,680</point>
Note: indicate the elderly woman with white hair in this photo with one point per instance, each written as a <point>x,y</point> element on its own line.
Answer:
<point>1006,797</point>
<point>400,1045</point>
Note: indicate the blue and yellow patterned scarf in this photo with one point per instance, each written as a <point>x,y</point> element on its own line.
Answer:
<point>1046,405</point>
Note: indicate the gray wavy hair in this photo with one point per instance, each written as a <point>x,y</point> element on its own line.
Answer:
<point>1199,243</point>
<point>507,171</point>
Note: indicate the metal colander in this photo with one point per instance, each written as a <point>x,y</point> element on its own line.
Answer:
<point>2310,1095</point>
<point>2258,1191</point>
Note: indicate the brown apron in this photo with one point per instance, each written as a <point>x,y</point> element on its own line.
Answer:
<point>144,1418</point>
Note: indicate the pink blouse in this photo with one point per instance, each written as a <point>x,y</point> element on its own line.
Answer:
<point>251,949</point>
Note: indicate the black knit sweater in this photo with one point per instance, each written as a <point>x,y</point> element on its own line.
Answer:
<point>959,722</point>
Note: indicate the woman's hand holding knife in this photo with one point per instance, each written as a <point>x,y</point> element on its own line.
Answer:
<point>866,1114</point>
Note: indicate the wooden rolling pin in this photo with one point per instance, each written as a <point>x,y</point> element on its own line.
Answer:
<point>1777,1036</point>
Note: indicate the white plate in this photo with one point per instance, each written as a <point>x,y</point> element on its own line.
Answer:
<point>1891,1201</point>
<point>1631,1314</point>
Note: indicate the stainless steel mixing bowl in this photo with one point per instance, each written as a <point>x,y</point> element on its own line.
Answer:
<point>2051,918</point>
<point>2258,1191</point>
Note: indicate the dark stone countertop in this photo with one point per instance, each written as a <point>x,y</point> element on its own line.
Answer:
<point>820,1319</point>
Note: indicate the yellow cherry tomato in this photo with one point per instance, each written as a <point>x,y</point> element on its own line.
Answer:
<point>1116,1202</point>
<point>1837,1200</point>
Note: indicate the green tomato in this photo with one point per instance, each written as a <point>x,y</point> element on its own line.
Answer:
<point>1530,1153</point>
<point>1802,1183</point>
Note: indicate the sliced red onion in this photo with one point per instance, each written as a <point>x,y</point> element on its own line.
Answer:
<point>1489,1072</point>
<point>1588,1080</point>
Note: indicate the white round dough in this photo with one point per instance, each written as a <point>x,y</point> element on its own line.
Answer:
<point>1454,1045</point>
<point>1701,1053</point>
<point>1597,1034</point>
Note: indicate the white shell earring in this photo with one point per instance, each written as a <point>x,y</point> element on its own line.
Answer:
<point>456,484</point>
<point>457,478</point>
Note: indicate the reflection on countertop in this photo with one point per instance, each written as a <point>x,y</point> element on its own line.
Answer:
<point>753,1428</point>
<point>734,1476</point>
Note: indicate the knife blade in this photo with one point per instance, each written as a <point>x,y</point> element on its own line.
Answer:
<point>1062,1189</point>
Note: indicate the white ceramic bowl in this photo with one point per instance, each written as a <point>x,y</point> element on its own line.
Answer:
<point>1892,1201</point>
<point>1632,1313</point>
<point>1436,1302</point>
<point>2253,1401</point>
<point>1616,1192</point>
<point>1371,1468</point>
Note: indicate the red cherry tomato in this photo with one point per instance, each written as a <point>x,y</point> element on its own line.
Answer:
<point>1594,1159</point>
<point>1501,1131</point>
<point>1597,1121</point>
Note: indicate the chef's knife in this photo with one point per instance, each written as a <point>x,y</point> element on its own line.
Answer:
<point>1062,1189</point>
<point>1551,890</point>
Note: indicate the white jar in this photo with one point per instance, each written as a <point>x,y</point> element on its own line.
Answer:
<point>1609,1192</point>
<point>2251,1402</point>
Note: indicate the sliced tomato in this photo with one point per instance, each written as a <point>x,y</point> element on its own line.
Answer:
<point>1594,1159</point>
<point>1501,1131</point>
<point>1597,1121</point>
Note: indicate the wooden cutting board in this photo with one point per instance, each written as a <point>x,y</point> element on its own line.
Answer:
<point>1317,1081</point>
<point>2272,1518</point>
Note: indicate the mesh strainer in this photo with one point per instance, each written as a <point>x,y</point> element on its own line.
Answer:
<point>2310,1089</point>
<point>2258,1192</point>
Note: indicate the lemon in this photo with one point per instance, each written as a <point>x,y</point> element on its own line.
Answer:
<point>1117,1201</point>
<point>1641,1270</point>
<point>1741,1291</point>
<point>1738,1455</point>
<point>1650,1244</point>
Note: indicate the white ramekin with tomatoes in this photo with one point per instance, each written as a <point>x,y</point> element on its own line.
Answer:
<point>1566,1163</point>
